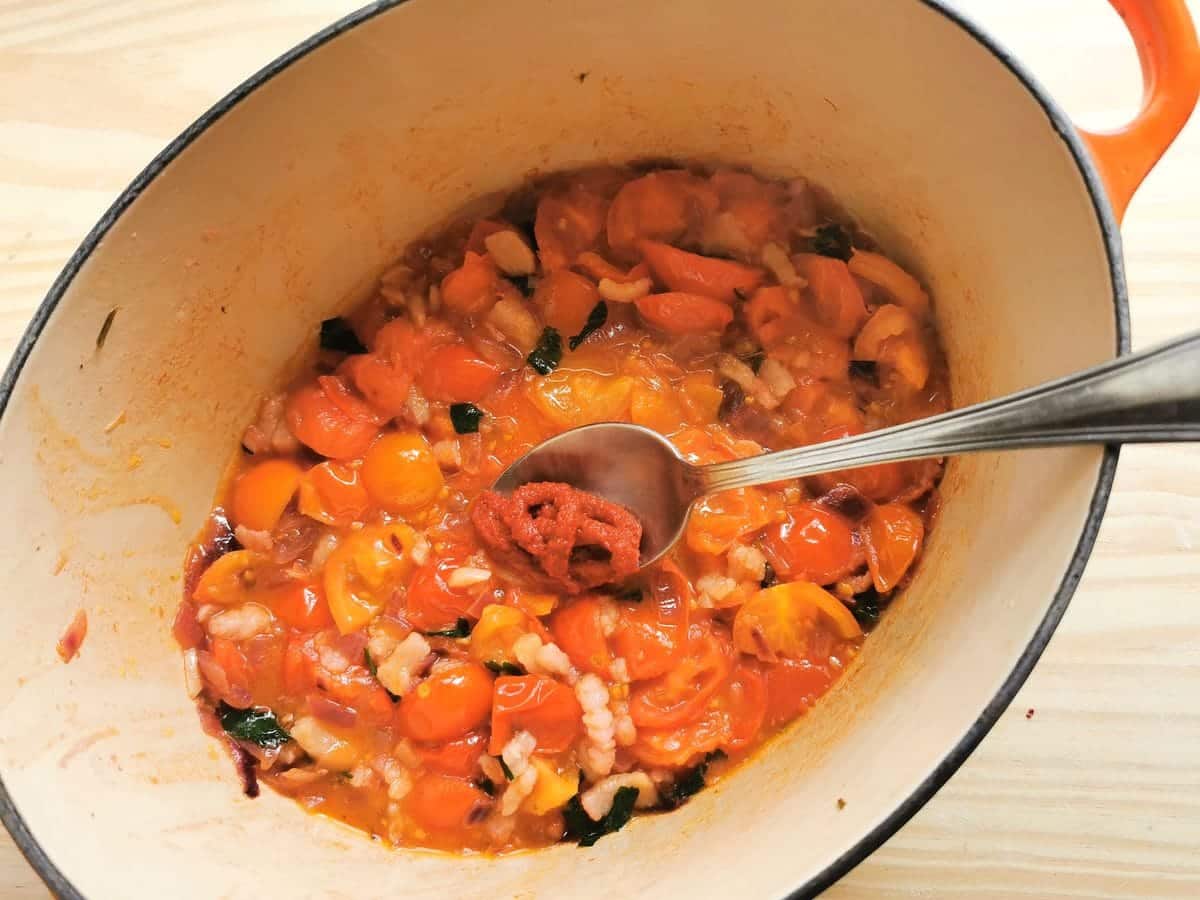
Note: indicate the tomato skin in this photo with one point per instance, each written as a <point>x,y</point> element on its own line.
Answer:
<point>793,686</point>
<point>813,543</point>
<point>692,273</point>
<point>568,223</point>
<point>263,492</point>
<point>651,635</point>
<point>332,492</point>
<point>718,520</point>
<point>459,758</point>
<point>545,708</point>
<point>679,313</point>
<point>676,748</point>
<point>454,700</point>
<point>679,696</point>
<point>471,288</point>
<point>441,803</point>
<point>564,299</point>
<point>430,603</point>
<point>837,299</point>
<point>325,416</point>
<point>579,631</point>
<point>894,533</point>
<point>301,605</point>
<point>452,373</point>
<point>383,385</point>
<point>744,701</point>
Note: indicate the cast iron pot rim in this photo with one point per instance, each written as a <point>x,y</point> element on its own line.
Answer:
<point>62,887</point>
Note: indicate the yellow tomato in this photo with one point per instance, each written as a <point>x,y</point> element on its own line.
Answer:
<point>779,621</point>
<point>263,492</point>
<point>656,408</point>
<point>493,635</point>
<point>400,473</point>
<point>226,580</point>
<point>553,789</point>
<point>363,570</point>
<point>704,397</point>
<point>573,398</point>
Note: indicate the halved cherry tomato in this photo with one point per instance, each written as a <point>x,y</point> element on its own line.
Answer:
<point>718,520</point>
<point>744,700</point>
<point>691,273</point>
<point>263,492</point>
<point>568,223</point>
<point>683,746</point>
<point>769,313</point>
<point>459,758</point>
<point>455,699</point>
<point>332,492</point>
<point>660,206</point>
<point>793,686</point>
<point>364,569</point>
<point>430,603</point>
<point>680,313</point>
<point>471,288</point>
<point>680,695</point>
<point>579,630</point>
<point>300,665</point>
<point>545,708</point>
<point>565,299</point>
<point>441,802</point>
<point>453,373</point>
<point>894,533</point>
<point>498,628</point>
<point>837,299</point>
<point>383,385</point>
<point>813,543</point>
<point>786,620</point>
<point>651,635</point>
<point>879,482</point>
<point>300,604</point>
<point>400,472</point>
<point>327,417</point>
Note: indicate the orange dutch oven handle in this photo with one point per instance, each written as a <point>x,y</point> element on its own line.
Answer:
<point>1166,44</point>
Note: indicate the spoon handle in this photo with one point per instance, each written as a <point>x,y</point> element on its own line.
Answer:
<point>1147,397</point>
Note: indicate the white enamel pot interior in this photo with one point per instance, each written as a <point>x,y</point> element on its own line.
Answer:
<point>280,206</point>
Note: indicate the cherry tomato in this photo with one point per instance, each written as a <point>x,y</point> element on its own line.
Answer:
<point>652,634</point>
<point>660,206</point>
<point>302,605</point>
<point>678,313</point>
<point>383,385</point>
<point>332,492</point>
<point>790,620</point>
<point>744,700</point>
<point>679,696</point>
<point>545,708</point>
<point>793,686</point>
<point>454,700</point>
<point>441,802</point>
<point>263,492</point>
<point>327,417</point>
<point>400,472</point>
<point>718,520</point>
<point>459,758</point>
<point>453,373</point>
<point>682,746</point>
<point>894,534</point>
<point>432,604</point>
<point>579,630</point>
<point>813,543</point>
<point>471,288</point>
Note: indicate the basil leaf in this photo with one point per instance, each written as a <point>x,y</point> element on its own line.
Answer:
<point>548,353</point>
<point>583,828</point>
<point>257,725</point>
<point>833,240</point>
<point>465,417</point>
<point>769,577</point>
<point>337,335</point>
<point>689,783</point>
<point>867,608</point>
<point>629,594</point>
<point>461,629</point>
<point>370,663</point>
<point>595,320</point>
<point>487,786</point>
<point>504,668</point>
<point>504,768</point>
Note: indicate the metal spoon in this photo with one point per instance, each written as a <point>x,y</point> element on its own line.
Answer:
<point>1147,397</point>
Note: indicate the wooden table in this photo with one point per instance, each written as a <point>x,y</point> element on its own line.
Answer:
<point>1096,793</point>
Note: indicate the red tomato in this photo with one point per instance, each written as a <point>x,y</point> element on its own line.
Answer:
<point>440,802</point>
<point>454,700</point>
<point>545,708</point>
<point>744,701</point>
<point>683,746</point>
<point>813,544</point>
<point>299,665</point>
<point>837,299</point>
<point>453,374</point>
<point>677,313</point>
<point>431,604</point>
<point>383,385</point>
<point>568,222</point>
<point>578,630</point>
<point>894,533</point>
<point>301,605</point>
<point>460,758</point>
<point>679,696</point>
<point>721,279</point>
<point>793,686</point>
<point>652,634</point>
<point>327,417</point>
<point>660,206</point>
<point>471,288</point>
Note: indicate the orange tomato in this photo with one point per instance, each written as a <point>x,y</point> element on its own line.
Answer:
<point>441,802</point>
<point>363,571</point>
<point>678,696</point>
<point>690,273</point>
<point>661,206</point>
<point>383,385</point>
<point>675,748</point>
<point>430,603</point>
<point>769,313</point>
<point>453,373</point>
<point>545,708</point>
<point>718,520</point>
<point>459,758</point>
<point>744,702</point>
<point>785,621</point>
<point>836,297</point>
<point>566,224</point>
<point>301,605</point>
<point>455,699</point>
<point>400,473</point>
<point>793,686</point>
<point>651,635</point>
<point>332,492</point>
<point>813,543</point>
<point>680,313</point>
<point>894,533</point>
<point>565,299</point>
<point>471,288</point>
<point>579,632</point>
<point>325,416</point>
<point>263,492</point>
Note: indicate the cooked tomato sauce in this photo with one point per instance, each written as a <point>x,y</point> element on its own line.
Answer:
<point>397,647</point>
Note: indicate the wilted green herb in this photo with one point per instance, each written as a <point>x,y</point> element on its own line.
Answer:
<point>689,783</point>
<point>833,240</point>
<point>504,768</point>
<point>867,608</point>
<point>257,725</point>
<point>504,668</point>
<point>548,353</point>
<point>595,320</point>
<point>581,827</point>
<point>461,629</point>
<point>487,786</point>
<point>465,417</point>
<point>337,335</point>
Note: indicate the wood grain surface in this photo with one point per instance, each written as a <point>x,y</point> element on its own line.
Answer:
<point>1089,786</point>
